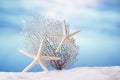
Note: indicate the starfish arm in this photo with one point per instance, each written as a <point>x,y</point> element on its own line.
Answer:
<point>50,58</point>
<point>71,44</point>
<point>74,33</point>
<point>58,48</point>
<point>28,54</point>
<point>43,65</point>
<point>30,66</point>
<point>40,49</point>
<point>64,28</point>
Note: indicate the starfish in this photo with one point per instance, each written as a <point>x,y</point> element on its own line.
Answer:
<point>65,37</point>
<point>38,58</point>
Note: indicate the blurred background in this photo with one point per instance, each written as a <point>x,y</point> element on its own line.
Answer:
<point>99,21</point>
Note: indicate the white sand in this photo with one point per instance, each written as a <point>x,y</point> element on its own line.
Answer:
<point>82,73</point>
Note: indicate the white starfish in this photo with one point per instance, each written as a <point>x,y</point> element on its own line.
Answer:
<point>65,37</point>
<point>38,58</point>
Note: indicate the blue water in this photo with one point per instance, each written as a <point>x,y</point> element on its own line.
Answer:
<point>99,40</point>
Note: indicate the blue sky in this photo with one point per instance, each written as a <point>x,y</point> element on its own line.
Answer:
<point>99,21</point>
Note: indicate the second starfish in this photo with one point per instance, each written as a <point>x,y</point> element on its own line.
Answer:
<point>38,58</point>
<point>65,37</point>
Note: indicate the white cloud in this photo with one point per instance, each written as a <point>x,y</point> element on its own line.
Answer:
<point>75,12</point>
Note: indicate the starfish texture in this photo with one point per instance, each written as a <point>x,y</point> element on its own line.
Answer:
<point>38,58</point>
<point>65,37</point>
